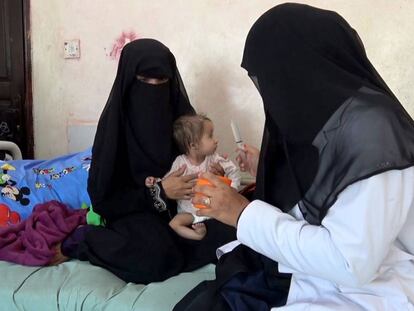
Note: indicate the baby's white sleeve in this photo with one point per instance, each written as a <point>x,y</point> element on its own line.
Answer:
<point>230,170</point>
<point>178,162</point>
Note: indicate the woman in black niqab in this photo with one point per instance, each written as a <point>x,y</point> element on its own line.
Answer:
<point>134,135</point>
<point>306,63</point>
<point>133,142</point>
<point>331,121</point>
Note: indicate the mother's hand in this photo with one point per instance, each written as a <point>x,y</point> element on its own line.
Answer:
<point>178,187</point>
<point>225,203</point>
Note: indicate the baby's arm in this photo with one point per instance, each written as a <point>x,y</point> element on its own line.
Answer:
<point>230,170</point>
<point>178,163</point>
<point>181,225</point>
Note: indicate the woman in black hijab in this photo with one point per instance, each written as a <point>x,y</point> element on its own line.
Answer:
<point>335,180</point>
<point>134,143</point>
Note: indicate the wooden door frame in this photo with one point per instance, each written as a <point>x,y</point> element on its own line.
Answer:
<point>28,97</point>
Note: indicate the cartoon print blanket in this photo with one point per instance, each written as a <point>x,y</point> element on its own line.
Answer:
<point>26,183</point>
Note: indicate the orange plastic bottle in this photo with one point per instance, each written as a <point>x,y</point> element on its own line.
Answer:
<point>206,182</point>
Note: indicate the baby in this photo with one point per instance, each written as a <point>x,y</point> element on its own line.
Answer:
<point>194,136</point>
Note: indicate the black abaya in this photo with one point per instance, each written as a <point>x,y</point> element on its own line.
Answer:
<point>134,141</point>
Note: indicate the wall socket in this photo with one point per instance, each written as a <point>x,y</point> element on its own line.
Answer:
<point>71,48</point>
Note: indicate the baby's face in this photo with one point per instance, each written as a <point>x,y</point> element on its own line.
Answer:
<point>208,144</point>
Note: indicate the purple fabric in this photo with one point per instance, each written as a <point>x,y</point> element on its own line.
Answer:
<point>71,244</point>
<point>32,241</point>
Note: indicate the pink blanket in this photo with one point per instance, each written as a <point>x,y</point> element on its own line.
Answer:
<point>32,241</point>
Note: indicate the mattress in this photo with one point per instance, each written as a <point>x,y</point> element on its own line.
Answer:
<point>78,285</point>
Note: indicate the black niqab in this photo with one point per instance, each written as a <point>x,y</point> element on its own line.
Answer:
<point>134,134</point>
<point>307,62</point>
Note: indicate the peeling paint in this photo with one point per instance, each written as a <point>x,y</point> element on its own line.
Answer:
<point>120,42</point>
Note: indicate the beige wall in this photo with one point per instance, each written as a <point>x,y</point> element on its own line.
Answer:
<point>207,38</point>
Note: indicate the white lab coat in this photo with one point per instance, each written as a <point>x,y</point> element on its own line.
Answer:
<point>359,258</point>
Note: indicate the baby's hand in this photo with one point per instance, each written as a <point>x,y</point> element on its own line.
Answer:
<point>150,181</point>
<point>216,169</point>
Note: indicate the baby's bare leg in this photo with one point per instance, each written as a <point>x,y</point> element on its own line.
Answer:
<point>182,225</point>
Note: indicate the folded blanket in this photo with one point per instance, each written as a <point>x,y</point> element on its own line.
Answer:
<point>32,241</point>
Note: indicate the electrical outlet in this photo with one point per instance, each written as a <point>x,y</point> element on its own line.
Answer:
<point>71,48</point>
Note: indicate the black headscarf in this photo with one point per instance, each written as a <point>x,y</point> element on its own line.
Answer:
<point>306,63</point>
<point>134,134</point>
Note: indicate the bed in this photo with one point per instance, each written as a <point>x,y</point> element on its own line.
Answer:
<point>73,285</point>
<point>77,285</point>
<point>10,150</point>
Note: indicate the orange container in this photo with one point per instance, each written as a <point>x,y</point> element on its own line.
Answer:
<point>206,182</point>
